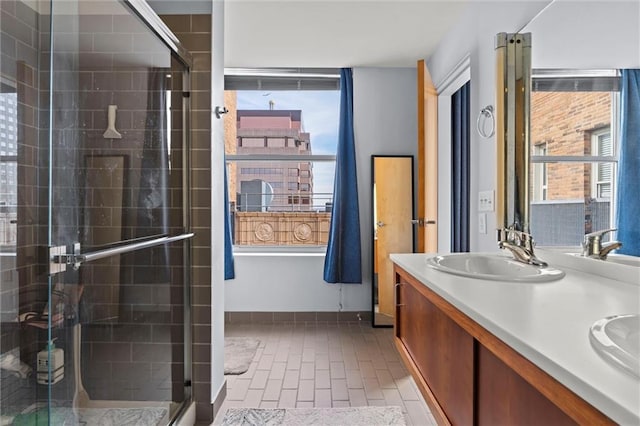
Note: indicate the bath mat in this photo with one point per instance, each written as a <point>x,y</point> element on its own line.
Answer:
<point>67,416</point>
<point>352,416</point>
<point>238,354</point>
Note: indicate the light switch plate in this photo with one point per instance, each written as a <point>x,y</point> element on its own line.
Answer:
<point>485,201</point>
<point>482,223</point>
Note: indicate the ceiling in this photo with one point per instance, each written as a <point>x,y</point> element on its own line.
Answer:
<point>327,33</point>
<point>335,33</point>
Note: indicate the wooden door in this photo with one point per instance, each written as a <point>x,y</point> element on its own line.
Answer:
<point>393,180</point>
<point>427,161</point>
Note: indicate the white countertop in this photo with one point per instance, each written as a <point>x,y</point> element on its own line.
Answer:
<point>548,323</point>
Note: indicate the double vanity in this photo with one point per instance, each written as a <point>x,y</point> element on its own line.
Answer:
<point>493,341</point>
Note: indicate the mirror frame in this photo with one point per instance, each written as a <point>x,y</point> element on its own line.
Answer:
<point>413,231</point>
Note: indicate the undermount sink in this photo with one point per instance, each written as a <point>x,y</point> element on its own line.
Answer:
<point>617,339</point>
<point>492,267</point>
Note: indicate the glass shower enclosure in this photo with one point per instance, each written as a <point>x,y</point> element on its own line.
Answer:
<point>94,215</point>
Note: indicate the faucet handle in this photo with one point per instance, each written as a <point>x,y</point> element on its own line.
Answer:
<point>598,234</point>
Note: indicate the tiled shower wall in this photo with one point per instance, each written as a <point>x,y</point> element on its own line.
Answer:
<point>194,32</point>
<point>22,281</point>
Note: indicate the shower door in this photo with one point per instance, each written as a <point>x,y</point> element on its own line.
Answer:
<point>117,219</point>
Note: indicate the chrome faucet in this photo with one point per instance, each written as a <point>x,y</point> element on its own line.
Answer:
<point>592,245</point>
<point>520,244</point>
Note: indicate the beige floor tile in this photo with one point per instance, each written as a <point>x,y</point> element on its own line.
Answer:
<point>277,370</point>
<point>259,380</point>
<point>323,380</point>
<point>418,413</point>
<point>265,363</point>
<point>339,390</point>
<point>324,366</point>
<point>294,361</point>
<point>354,380</point>
<point>253,398</point>
<point>393,397</point>
<point>288,398</point>
<point>406,389</point>
<point>308,355</point>
<point>337,370</point>
<point>272,390</point>
<point>372,389</point>
<point>306,390</point>
<point>357,398</point>
<point>322,361</point>
<point>307,371</point>
<point>239,390</point>
<point>366,370</point>
<point>385,379</point>
<point>281,355</point>
<point>323,398</point>
<point>291,378</point>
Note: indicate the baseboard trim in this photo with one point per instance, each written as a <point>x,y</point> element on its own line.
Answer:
<point>217,403</point>
<point>297,317</point>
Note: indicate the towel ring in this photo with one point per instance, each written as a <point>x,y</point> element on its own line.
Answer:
<point>486,113</point>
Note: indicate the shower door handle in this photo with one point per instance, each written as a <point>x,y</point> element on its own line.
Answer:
<point>76,259</point>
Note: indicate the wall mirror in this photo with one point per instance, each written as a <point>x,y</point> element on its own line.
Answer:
<point>575,116</point>
<point>392,231</point>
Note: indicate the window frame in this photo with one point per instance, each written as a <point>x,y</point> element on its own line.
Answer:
<point>269,79</point>
<point>595,148</point>
<point>600,78</point>
<point>540,184</point>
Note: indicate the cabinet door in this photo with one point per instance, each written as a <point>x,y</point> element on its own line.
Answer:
<point>506,398</point>
<point>441,350</point>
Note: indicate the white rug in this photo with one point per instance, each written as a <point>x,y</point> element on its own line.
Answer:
<point>353,416</point>
<point>238,354</point>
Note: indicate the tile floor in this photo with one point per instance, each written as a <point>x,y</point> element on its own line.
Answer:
<point>324,365</point>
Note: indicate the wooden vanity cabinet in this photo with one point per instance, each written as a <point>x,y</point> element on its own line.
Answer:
<point>470,377</point>
<point>441,350</point>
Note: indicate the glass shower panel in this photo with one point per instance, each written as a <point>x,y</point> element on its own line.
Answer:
<point>92,165</point>
<point>24,31</point>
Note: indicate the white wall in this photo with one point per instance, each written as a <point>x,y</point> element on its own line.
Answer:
<point>384,123</point>
<point>217,202</point>
<point>565,34</point>
<point>587,35</point>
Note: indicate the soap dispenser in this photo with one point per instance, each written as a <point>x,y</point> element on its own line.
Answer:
<point>46,375</point>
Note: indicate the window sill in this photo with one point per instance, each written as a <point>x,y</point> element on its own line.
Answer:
<point>316,251</point>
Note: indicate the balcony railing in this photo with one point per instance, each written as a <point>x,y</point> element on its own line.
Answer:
<point>293,201</point>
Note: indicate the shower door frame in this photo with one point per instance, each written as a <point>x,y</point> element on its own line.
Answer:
<point>142,9</point>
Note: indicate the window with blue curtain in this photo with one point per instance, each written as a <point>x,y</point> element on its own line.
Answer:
<point>628,200</point>
<point>343,258</point>
<point>229,267</point>
<point>460,167</point>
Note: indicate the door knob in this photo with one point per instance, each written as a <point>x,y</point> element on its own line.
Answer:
<point>380,223</point>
